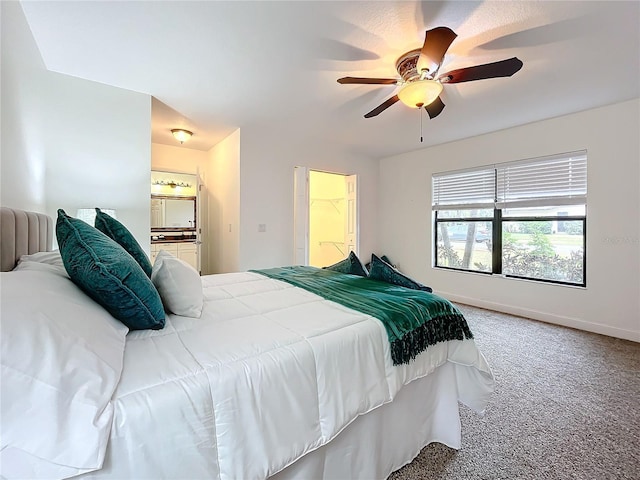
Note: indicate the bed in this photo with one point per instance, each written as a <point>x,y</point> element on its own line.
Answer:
<point>271,381</point>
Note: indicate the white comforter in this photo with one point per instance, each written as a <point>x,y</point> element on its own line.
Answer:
<point>267,374</point>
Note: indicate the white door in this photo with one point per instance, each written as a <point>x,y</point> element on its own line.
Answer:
<point>351,218</point>
<point>300,216</point>
<point>157,212</point>
<point>198,249</point>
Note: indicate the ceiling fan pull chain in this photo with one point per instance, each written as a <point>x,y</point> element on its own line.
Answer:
<point>420,110</point>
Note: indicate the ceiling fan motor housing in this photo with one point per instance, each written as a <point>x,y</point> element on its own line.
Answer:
<point>406,66</point>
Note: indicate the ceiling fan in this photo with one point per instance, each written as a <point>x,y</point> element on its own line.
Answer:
<point>421,81</point>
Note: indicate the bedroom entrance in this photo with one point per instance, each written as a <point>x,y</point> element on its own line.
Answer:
<point>325,217</point>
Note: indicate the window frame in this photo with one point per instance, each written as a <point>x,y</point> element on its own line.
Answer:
<point>461,220</point>
<point>498,220</point>
<point>557,218</point>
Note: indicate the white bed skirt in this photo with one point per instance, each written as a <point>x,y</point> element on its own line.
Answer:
<point>383,440</point>
<point>389,437</point>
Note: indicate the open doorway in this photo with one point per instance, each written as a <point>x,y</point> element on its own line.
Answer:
<point>326,217</point>
<point>176,221</point>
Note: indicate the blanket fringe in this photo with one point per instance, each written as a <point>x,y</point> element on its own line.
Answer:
<point>439,329</point>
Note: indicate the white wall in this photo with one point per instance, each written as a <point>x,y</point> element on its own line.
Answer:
<point>224,205</point>
<point>98,151</point>
<point>23,83</point>
<point>74,143</point>
<point>269,155</point>
<point>169,158</point>
<point>611,302</point>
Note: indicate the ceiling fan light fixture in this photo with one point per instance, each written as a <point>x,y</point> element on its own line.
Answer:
<point>181,134</point>
<point>420,93</point>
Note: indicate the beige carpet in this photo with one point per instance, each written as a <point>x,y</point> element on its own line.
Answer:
<point>566,406</point>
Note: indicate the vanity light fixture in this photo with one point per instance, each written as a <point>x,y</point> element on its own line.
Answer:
<point>171,183</point>
<point>181,134</point>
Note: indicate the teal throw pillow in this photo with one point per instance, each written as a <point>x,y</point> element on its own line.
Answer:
<point>115,230</point>
<point>384,258</point>
<point>381,270</point>
<point>108,274</point>
<point>351,265</point>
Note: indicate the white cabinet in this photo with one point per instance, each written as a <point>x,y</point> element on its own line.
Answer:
<point>172,248</point>
<point>189,253</point>
<point>186,251</point>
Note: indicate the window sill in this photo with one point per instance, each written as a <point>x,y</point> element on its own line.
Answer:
<point>506,277</point>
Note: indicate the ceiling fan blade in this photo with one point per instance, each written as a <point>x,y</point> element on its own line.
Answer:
<point>368,81</point>
<point>436,44</point>
<point>503,68</point>
<point>382,107</point>
<point>435,108</point>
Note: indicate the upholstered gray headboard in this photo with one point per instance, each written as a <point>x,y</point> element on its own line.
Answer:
<point>23,233</point>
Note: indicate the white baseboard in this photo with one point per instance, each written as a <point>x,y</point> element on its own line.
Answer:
<point>546,317</point>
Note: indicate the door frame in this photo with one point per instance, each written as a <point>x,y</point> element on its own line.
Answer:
<point>301,206</point>
<point>198,187</point>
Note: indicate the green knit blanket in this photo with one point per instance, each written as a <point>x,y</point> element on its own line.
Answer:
<point>413,319</point>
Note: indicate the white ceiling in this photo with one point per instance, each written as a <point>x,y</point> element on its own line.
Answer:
<point>215,66</point>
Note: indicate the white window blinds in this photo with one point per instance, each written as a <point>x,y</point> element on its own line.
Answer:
<point>554,180</point>
<point>464,189</point>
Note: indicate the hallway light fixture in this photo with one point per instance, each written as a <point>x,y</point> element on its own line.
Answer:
<point>181,134</point>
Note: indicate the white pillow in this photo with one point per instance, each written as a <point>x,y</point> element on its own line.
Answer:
<point>61,356</point>
<point>49,258</point>
<point>179,285</point>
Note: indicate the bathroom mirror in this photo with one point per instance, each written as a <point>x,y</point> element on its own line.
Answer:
<point>173,213</point>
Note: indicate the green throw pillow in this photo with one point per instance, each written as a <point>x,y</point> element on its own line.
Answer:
<point>351,265</point>
<point>384,258</point>
<point>115,230</point>
<point>108,274</point>
<point>381,270</point>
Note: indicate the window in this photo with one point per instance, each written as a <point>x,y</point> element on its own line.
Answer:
<point>524,219</point>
